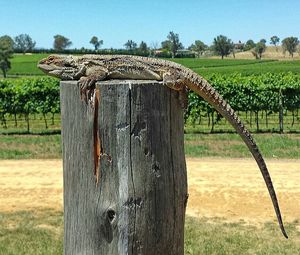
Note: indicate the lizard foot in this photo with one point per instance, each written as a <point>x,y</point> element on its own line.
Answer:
<point>87,86</point>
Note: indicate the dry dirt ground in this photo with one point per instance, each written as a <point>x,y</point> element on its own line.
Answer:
<point>229,188</point>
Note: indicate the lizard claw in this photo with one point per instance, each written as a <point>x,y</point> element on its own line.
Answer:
<point>87,86</point>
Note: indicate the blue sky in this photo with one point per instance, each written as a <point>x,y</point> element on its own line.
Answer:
<point>117,21</point>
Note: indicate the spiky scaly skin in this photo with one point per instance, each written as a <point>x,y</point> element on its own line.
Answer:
<point>89,69</point>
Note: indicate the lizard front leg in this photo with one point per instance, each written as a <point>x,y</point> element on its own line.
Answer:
<point>87,86</point>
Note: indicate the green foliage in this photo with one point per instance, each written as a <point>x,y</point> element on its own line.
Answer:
<point>61,42</point>
<point>249,94</point>
<point>259,48</point>
<point>198,47</point>
<point>24,43</point>
<point>290,44</point>
<point>222,46</point>
<point>274,40</point>
<point>27,96</point>
<point>6,51</point>
<point>130,45</point>
<point>96,42</point>
<point>143,48</point>
<point>172,44</point>
<point>250,44</point>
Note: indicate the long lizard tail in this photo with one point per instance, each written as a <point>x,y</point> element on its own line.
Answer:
<point>207,92</point>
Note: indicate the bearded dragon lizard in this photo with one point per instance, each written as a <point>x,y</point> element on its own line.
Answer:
<point>89,69</point>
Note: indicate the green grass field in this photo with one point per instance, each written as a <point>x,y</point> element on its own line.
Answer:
<point>41,232</point>
<point>196,145</point>
<point>30,146</point>
<point>26,65</point>
<point>206,67</point>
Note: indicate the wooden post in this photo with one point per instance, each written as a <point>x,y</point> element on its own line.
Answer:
<point>138,205</point>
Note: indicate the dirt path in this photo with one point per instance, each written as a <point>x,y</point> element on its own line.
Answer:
<point>229,188</point>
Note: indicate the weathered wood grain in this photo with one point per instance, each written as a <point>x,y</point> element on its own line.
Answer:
<point>138,206</point>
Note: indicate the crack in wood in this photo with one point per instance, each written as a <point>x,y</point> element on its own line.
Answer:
<point>97,147</point>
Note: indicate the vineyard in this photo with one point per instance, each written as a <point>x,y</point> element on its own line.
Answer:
<point>21,99</point>
<point>271,100</point>
<point>268,102</point>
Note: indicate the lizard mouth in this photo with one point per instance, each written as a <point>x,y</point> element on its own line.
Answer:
<point>51,70</point>
<point>45,67</point>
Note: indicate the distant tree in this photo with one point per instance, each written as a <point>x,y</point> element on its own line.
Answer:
<point>222,46</point>
<point>250,44</point>
<point>274,40</point>
<point>153,48</point>
<point>259,49</point>
<point>130,45</point>
<point>6,52</point>
<point>143,48</point>
<point>199,47</point>
<point>264,41</point>
<point>7,41</point>
<point>174,43</point>
<point>96,42</point>
<point>61,42</point>
<point>166,45</point>
<point>24,43</point>
<point>290,44</point>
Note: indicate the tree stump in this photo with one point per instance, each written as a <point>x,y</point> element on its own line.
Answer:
<point>138,204</point>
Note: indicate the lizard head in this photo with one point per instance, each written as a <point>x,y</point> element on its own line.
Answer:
<point>63,67</point>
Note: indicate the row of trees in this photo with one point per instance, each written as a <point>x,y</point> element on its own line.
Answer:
<point>221,46</point>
